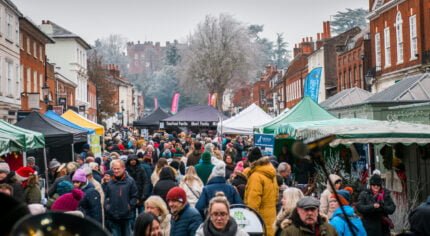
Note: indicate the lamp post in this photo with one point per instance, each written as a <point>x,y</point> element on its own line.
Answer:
<point>122,112</point>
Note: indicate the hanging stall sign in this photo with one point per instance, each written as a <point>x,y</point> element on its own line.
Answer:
<point>266,142</point>
<point>247,219</point>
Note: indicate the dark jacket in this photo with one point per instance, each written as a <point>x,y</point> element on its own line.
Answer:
<point>97,176</point>
<point>18,190</point>
<point>297,228</point>
<point>418,219</point>
<point>194,158</point>
<point>32,194</point>
<point>53,188</point>
<point>139,175</point>
<point>217,184</point>
<point>239,182</point>
<point>90,204</point>
<point>148,170</point>
<point>120,198</point>
<point>166,182</point>
<point>186,223</point>
<point>204,169</point>
<point>372,217</point>
<point>239,149</point>
<point>229,169</point>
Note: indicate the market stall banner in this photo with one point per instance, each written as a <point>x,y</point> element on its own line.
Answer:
<point>266,142</point>
<point>312,84</point>
<point>188,124</point>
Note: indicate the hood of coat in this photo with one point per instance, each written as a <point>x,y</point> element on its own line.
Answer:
<point>348,210</point>
<point>130,158</point>
<point>263,166</point>
<point>333,178</point>
<point>216,180</point>
<point>167,174</point>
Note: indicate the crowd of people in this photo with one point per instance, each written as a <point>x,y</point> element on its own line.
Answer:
<point>178,184</point>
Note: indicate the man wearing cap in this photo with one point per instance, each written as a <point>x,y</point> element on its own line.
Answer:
<point>185,219</point>
<point>305,220</point>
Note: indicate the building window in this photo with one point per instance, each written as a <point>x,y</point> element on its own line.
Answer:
<point>34,89</point>
<point>387,47</point>
<point>34,49</point>
<point>17,31</point>
<point>399,38</point>
<point>28,45</point>
<point>378,51</point>
<point>28,80</point>
<point>9,18</point>
<point>18,81</point>
<point>9,77</point>
<point>413,36</point>
<point>41,53</point>
<point>21,41</point>
<point>41,86</point>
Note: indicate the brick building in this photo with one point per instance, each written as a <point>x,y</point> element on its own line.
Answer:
<point>400,34</point>
<point>354,61</point>
<point>297,71</point>
<point>33,70</point>
<point>262,94</point>
<point>144,58</point>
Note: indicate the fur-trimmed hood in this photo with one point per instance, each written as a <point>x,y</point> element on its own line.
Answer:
<point>264,167</point>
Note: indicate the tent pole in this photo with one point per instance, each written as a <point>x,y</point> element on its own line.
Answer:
<point>46,169</point>
<point>24,158</point>
<point>73,152</point>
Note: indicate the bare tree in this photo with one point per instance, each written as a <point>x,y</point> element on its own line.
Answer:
<point>112,50</point>
<point>104,89</point>
<point>220,55</point>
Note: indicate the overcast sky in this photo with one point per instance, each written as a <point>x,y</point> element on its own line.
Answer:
<point>166,20</point>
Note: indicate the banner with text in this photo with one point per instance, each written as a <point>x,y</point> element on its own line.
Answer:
<point>155,103</point>
<point>312,84</point>
<point>266,143</point>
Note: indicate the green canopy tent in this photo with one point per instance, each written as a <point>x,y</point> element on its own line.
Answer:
<point>349,131</point>
<point>30,139</point>
<point>9,143</point>
<point>305,110</point>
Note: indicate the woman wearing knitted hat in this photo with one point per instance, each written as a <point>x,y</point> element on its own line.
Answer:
<point>338,218</point>
<point>375,204</point>
<point>217,183</point>
<point>90,205</point>
<point>69,201</point>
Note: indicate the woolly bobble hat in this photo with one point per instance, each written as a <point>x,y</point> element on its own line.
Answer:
<point>375,180</point>
<point>4,167</point>
<point>219,169</point>
<point>255,154</point>
<point>176,194</point>
<point>344,197</point>
<point>68,201</point>
<point>239,167</point>
<point>23,173</point>
<point>64,187</point>
<point>80,176</point>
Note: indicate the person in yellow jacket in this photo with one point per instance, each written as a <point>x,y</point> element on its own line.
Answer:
<point>261,192</point>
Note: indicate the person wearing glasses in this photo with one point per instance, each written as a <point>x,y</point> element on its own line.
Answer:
<point>305,220</point>
<point>219,221</point>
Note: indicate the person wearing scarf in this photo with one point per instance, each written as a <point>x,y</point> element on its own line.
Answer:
<point>375,204</point>
<point>219,221</point>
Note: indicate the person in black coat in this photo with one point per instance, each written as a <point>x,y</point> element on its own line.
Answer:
<point>418,219</point>
<point>8,177</point>
<point>140,177</point>
<point>166,182</point>
<point>90,204</point>
<point>375,204</point>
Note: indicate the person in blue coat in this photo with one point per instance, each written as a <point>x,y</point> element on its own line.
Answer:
<point>185,219</point>
<point>217,183</point>
<point>338,218</point>
<point>90,204</point>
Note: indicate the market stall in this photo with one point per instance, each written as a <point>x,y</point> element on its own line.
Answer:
<point>151,121</point>
<point>194,117</point>
<point>54,116</point>
<point>244,122</point>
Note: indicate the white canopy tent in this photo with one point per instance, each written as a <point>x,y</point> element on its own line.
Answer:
<point>245,121</point>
